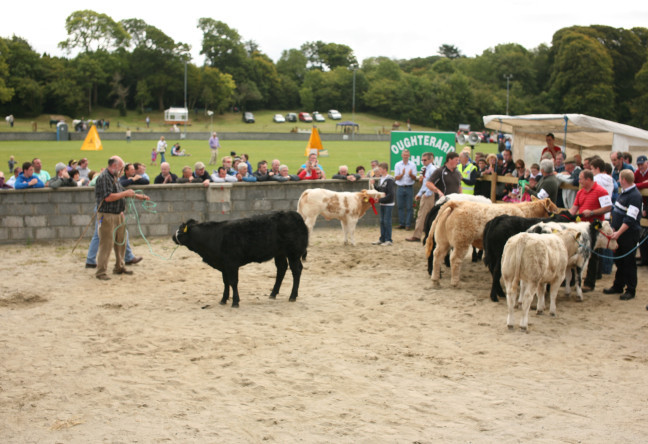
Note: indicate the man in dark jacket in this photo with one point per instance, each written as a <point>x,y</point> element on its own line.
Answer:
<point>131,177</point>
<point>626,214</point>
<point>62,178</point>
<point>386,185</point>
<point>261,173</point>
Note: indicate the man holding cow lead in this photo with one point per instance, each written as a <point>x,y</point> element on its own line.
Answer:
<point>592,202</point>
<point>626,214</point>
<point>405,176</point>
<point>448,179</point>
<point>110,215</point>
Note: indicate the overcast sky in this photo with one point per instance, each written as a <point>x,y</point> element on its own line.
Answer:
<point>394,29</point>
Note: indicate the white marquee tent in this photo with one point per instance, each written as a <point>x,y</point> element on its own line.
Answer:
<point>583,134</point>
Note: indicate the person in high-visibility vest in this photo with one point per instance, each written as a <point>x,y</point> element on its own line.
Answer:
<point>468,172</point>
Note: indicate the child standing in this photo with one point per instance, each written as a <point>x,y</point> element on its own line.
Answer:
<point>386,185</point>
<point>154,156</point>
<point>12,164</point>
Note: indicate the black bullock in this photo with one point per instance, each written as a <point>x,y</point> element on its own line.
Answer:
<point>499,230</point>
<point>226,246</point>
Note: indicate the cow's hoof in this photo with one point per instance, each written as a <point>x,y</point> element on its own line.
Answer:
<point>235,305</point>
<point>524,329</point>
<point>553,315</point>
<point>510,327</point>
<point>539,312</point>
<point>223,302</point>
<point>494,299</point>
<point>454,284</point>
<point>273,296</point>
<point>292,299</point>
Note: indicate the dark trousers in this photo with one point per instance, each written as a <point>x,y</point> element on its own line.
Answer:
<point>405,201</point>
<point>386,223</point>
<point>592,270</point>
<point>626,273</point>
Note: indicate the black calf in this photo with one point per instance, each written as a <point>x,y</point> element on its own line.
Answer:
<point>226,246</point>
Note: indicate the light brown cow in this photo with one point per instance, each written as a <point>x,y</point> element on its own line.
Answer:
<point>347,207</point>
<point>461,224</point>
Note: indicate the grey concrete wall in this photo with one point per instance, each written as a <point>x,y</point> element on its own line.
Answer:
<point>46,214</point>
<point>155,135</point>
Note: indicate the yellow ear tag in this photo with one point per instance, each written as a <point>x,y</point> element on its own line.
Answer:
<point>185,230</point>
<point>366,199</point>
<point>554,231</point>
<point>578,219</point>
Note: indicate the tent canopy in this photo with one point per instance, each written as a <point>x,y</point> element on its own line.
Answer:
<point>583,133</point>
<point>347,123</point>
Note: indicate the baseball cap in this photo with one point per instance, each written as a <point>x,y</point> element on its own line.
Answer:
<point>641,159</point>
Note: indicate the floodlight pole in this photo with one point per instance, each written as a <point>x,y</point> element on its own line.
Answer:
<point>508,77</point>
<point>185,102</point>
<point>353,106</point>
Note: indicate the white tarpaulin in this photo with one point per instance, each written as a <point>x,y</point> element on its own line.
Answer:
<point>585,135</point>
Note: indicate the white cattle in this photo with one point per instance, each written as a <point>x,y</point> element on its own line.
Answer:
<point>593,235</point>
<point>347,207</point>
<point>531,261</point>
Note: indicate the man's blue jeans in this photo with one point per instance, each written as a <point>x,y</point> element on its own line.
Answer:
<point>386,223</point>
<point>405,200</point>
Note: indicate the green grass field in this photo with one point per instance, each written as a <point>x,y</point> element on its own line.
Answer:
<point>288,152</point>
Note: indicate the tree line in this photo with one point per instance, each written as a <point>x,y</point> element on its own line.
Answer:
<point>131,65</point>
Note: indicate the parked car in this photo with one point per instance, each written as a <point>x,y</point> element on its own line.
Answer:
<point>334,114</point>
<point>278,118</point>
<point>248,117</point>
<point>305,117</point>
<point>318,117</point>
<point>291,117</point>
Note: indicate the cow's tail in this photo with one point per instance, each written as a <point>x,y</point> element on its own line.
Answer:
<point>440,219</point>
<point>488,258</point>
<point>429,220</point>
<point>303,197</point>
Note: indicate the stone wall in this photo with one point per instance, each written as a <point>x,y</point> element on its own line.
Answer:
<point>46,214</point>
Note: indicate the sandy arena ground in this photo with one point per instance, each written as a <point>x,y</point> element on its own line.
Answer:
<point>370,352</point>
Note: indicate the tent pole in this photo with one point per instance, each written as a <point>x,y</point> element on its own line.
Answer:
<point>565,138</point>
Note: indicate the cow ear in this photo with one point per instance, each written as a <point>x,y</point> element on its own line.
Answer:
<point>533,198</point>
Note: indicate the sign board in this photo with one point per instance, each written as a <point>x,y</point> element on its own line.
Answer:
<point>92,141</point>
<point>419,142</point>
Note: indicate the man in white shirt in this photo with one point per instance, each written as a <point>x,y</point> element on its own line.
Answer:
<point>425,197</point>
<point>161,149</point>
<point>405,176</point>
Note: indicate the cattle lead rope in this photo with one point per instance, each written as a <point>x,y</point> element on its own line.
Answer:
<point>131,211</point>
<point>614,257</point>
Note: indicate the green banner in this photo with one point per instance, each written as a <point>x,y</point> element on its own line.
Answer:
<point>419,142</point>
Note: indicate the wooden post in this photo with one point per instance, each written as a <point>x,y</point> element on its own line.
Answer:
<point>493,194</point>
